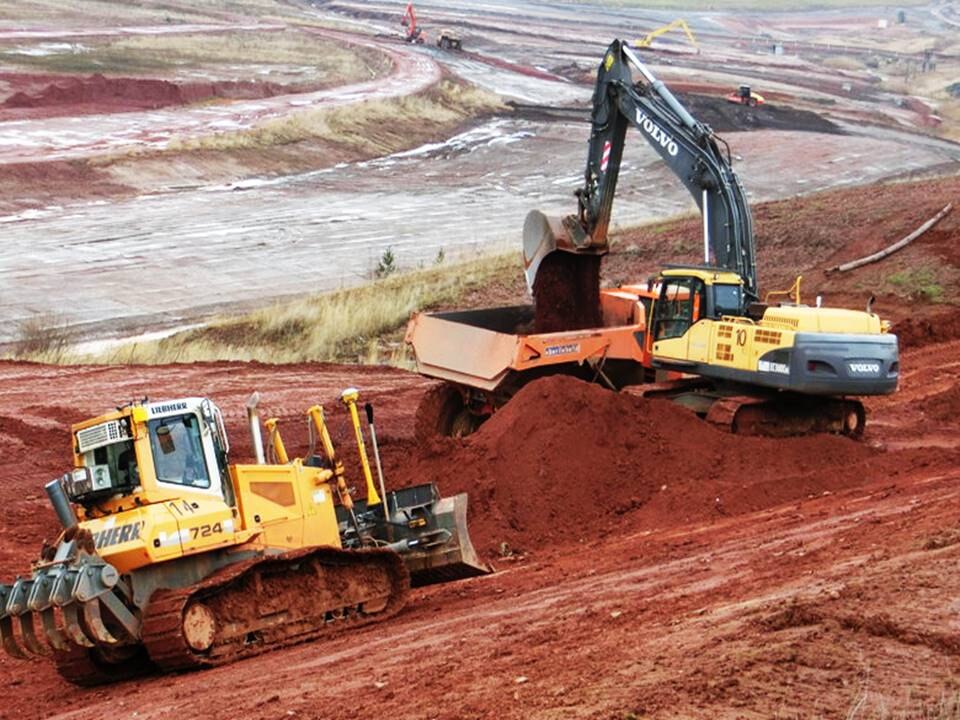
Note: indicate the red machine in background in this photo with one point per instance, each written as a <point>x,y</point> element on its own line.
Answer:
<point>414,33</point>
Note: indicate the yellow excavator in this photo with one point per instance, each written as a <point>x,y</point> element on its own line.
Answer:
<point>172,557</point>
<point>697,334</point>
<point>680,24</point>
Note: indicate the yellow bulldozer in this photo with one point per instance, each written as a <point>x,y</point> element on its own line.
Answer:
<point>173,558</point>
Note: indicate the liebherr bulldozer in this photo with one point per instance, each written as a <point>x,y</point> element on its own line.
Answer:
<point>696,334</point>
<point>172,557</point>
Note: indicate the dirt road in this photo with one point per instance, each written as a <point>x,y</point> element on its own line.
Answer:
<point>70,138</point>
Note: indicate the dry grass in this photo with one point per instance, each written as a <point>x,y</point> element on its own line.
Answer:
<point>43,338</point>
<point>346,325</point>
<point>370,127</point>
<point>843,62</point>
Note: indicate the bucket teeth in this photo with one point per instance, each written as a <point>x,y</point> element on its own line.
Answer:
<point>94,623</point>
<point>29,623</point>
<point>54,636</point>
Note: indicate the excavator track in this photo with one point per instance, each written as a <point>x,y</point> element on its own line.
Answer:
<point>745,415</point>
<point>273,602</point>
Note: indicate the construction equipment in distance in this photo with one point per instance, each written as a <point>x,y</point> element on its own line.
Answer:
<point>744,365</point>
<point>172,557</point>
<point>449,40</point>
<point>679,24</point>
<point>414,33</point>
<point>745,96</point>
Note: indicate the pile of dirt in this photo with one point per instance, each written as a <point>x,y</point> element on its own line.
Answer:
<point>122,93</point>
<point>917,332</point>
<point>567,461</point>
<point>725,116</point>
<point>944,406</point>
<point>566,293</point>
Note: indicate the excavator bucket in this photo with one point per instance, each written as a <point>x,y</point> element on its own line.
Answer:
<point>429,532</point>
<point>543,235</point>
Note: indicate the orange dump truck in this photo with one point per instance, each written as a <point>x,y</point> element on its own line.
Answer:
<point>485,356</point>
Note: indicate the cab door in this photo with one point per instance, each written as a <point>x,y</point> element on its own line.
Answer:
<point>681,304</point>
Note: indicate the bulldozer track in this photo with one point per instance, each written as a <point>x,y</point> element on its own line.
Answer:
<point>273,602</point>
<point>82,667</point>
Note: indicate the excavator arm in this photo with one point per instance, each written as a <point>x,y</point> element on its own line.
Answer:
<point>680,24</point>
<point>689,148</point>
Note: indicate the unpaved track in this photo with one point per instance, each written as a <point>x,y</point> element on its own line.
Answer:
<point>74,138</point>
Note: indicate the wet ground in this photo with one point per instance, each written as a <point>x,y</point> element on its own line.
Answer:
<point>189,250</point>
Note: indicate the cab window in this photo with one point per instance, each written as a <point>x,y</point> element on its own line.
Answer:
<point>727,300</point>
<point>178,451</point>
<point>682,302</point>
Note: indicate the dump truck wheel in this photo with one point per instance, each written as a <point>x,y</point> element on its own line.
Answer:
<point>464,423</point>
<point>437,411</point>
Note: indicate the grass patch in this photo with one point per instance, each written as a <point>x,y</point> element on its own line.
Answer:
<point>346,325</point>
<point>42,338</point>
<point>368,128</point>
<point>918,284</point>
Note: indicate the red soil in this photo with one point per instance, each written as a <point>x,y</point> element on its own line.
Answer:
<point>52,95</point>
<point>566,293</point>
<point>563,448</point>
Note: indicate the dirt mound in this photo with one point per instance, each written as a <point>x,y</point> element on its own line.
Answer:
<point>566,293</point>
<point>566,460</point>
<point>105,94</point>
<point>725,116</point>
<point>944,406</point>
<point>917,332</point>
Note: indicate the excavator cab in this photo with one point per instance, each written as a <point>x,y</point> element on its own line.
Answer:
<point>688,295</point>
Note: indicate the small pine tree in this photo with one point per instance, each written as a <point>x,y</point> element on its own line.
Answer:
<point>387,265</point>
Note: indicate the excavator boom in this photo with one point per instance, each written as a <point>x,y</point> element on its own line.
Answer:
<point>690,149</point>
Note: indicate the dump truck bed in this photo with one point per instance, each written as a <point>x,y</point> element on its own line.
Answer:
<point>481,348</point>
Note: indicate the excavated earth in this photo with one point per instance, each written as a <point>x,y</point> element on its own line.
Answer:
<point>648,565</point>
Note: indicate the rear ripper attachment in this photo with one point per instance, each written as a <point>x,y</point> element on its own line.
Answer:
<point>172,557</point>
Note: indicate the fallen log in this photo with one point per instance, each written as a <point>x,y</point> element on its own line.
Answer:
<point>896,246</point>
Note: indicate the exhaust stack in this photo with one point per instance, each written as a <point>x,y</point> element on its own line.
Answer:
<point>61,504</point>
<point>253,418</point>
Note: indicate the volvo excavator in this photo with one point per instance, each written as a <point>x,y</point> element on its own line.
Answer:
<point>171,557</point>
<point>696,334</point>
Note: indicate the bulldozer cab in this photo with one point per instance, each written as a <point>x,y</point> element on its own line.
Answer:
<point>151,451</point>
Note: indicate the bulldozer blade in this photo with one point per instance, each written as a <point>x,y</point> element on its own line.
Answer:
<point>29,635</point>
<point>71,625</point>
<point>10,640</point>
<point>454,559</point>
<point>94,623</point>
<point>54,636</point>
